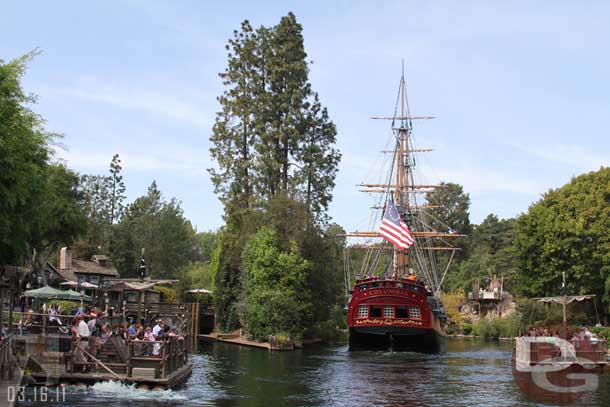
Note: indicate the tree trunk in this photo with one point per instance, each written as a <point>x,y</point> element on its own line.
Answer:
<point>37,260</point>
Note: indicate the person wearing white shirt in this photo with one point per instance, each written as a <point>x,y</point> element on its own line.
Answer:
<point>82,337</point>
<point>158,328</point>
<point>83,330</point>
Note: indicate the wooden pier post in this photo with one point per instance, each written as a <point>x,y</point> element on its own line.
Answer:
<point>1,309</point>
<point>11,306</point>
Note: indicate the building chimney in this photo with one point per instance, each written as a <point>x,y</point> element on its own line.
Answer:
<point>65,258</point>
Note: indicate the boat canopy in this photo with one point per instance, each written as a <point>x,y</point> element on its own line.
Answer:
<point>50,293</point>
<point>199,291</point>
<point>569,299</point>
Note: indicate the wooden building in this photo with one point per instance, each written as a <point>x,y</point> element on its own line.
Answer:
<point>96,271</point>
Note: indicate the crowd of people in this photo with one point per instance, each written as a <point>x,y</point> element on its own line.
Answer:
<point>582,334</point>
<point>91,328</point>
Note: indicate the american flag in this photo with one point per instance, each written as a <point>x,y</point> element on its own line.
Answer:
<point>394,229</point>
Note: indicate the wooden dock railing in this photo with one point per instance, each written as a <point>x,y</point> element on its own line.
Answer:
<point>156,359</point>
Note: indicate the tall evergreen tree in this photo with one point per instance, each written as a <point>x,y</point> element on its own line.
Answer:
<point>233,133</point>
<point>116,189</point>
<point>273,143</point>
<point>272,136</point>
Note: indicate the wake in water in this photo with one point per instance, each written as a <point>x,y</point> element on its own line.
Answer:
<point>132,392</point>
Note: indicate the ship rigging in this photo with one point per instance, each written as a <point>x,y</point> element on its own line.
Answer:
<point>405,280</point>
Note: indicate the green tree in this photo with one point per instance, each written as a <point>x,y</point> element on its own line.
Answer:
<point>567,231</point>
<point>315,177</point>
<point>453,208</point>
<point>234,129</point>
<point>275,288</point>
<point>274,146</point>
<point>39,200</point>
<point>54,217</point>
<point>97,207</point>
<point>24,154</point>
<point>160,228</point>
<point>272,136</point>
<point>226,270</point>
<point>116,189</point>
<point>207,242</point>
<point>491,255</point>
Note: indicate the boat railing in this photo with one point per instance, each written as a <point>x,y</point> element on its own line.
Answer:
<point>156,359</point>
<point>551,349</point>
<point>37,323</point>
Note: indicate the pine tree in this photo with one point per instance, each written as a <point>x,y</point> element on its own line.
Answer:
<point>272,136</point>
<point>233,132</point>
<point>116,189</point>
<point>273,143</point>
<point>319,159</point>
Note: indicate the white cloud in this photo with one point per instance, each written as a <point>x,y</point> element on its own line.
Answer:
<point>573,155</point>
<point>487,180</point>
<point>174,106</point>
<point>155,158</point>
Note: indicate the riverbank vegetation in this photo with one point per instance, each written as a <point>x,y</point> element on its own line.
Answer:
<point>564,231</point>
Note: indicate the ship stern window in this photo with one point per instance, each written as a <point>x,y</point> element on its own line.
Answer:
<point>401,312</point>
<point>414,313</point>
<point>375,311</point>
<point>376,284</point>
<point>363,311</point>
<point>363,287</point>
<point>388,312</point>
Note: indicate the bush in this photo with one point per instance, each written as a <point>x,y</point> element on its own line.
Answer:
<point>167,294</point>
<point>494,328</point>
<point>466,328</point>
<point>275,284</point>
<point>66,307</point>
<point>487,329</point>
<point>602,332</point>
<point>509,326</point>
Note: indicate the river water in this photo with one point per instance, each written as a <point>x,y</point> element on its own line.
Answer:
<point>468,374</point>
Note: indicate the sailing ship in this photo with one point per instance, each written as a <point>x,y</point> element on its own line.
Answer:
<point>394,303</point>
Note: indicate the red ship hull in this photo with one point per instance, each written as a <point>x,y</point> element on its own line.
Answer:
<point>395,314</point>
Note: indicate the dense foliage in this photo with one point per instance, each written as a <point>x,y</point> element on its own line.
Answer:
<point>275,287</point>
<point>39,201</point>
<point>490,255</point>
<point>567,231</point>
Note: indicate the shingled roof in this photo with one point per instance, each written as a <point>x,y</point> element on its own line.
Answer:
<point>90,267</point>
<point>66,274</point>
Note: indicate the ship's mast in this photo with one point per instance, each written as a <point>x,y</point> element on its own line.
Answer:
<point>401,258</point>
<point>401,186</point>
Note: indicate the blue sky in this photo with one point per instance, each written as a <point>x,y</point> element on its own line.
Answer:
<point>520,89</point>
